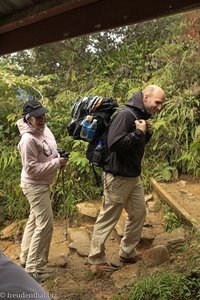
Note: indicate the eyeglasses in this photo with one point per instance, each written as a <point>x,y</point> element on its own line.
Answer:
<point>46,148</point>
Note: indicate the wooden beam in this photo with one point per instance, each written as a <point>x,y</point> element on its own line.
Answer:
<point>39,12</point>
<point>96,16</point>
<point>174,205</point>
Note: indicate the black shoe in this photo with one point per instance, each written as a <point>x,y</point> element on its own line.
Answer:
<point>131,260</point>
<point>23,265</point>
<point>39,276</point>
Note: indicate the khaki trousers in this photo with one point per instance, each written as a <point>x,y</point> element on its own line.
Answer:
<point>119,192</point>
<point>39,228</point>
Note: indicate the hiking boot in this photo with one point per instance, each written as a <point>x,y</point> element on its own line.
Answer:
<point>131,260</point>
<point>39,276</point>
<point>23,265</point>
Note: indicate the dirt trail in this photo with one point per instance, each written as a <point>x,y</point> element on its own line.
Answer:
<point>71,278</point>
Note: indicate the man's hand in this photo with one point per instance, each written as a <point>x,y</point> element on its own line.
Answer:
<point>141,125</point>
<point>149,127</point>
<point>63,161</point>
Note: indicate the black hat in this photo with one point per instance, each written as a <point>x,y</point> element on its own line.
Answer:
<point>33,108</point>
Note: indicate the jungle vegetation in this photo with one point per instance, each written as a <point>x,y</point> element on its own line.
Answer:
<point>115,63</point>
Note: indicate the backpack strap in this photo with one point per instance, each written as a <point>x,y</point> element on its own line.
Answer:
<point>131,111</point>
<point>96,176</point>
<point>123,108</point>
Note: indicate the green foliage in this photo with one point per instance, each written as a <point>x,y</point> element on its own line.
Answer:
<point>167,286</point>
<point>193,251</point>
<point>158,169</point>
<point>194,164</point>
<point>171,221</point>
<point>115,63</point>
<point>14,204</point>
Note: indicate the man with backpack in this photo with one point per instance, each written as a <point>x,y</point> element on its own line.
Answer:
<point>128,134</point>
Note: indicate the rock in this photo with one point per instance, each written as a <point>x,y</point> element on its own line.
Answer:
<point>78,233</point>
<point>148,234</point>
<point>152,226</point>
<point>60,262</point>
<point>4,245</point>
<point>154,206</point>
<point>59,250</point>
<point>154,219</point>
<point>14,230</point>
<point>181,182</point>
<point>88,211</point>
<point>155,196</point>
<point>183,191</point>
<point>192,197</point>
<point>13,251</point>
<point>80,240</point>
<point>188,195</point>
<point>63,250</point>
<point>82,247</point>
<point>95,270</point>
<point>126,276</point>
<point>156,256</point>
<point>59,233</point>
<point>172,240</point>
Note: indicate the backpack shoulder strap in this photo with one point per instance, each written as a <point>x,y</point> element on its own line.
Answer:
<point>124,108</point>
<point>132,111</point>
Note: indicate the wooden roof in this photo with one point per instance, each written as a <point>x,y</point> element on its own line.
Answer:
<point>29,23</point>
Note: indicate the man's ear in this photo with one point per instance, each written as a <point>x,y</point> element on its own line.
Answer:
<point>145,97</point>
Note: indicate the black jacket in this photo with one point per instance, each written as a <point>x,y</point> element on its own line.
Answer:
<point>126,143</point>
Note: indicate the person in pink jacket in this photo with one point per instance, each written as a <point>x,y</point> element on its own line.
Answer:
<point>40,161</point>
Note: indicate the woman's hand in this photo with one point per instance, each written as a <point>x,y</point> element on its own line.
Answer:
<point>63,161</point>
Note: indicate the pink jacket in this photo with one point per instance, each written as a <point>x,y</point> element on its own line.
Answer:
<point>39,154</point>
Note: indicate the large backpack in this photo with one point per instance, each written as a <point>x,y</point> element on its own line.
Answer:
<point>100,109</point>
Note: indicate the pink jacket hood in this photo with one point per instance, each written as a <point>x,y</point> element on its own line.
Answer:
<point>24,127</point>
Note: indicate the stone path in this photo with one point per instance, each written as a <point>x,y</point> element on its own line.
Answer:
<point>70,248</point>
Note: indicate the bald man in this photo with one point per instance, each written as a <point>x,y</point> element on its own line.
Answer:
<point>128,134</point>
